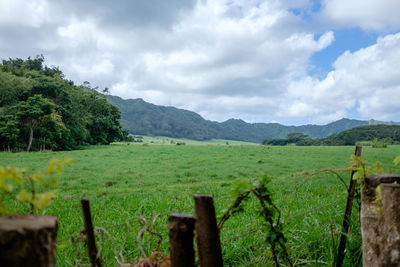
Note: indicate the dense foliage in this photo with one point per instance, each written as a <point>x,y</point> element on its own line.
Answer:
<point>40,109</point>
<point>385,133</point>
<point>375,135</point>
<point>143,118</point>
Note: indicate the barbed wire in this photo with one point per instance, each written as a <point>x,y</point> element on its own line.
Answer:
<point>113,194</point>
<point>287,222</point>
<point>118,255</point>
<point>143,218</point>
<point>312,174</point>
<point>75,240</point>
<point>327,236</point>
<point>241,235</point>
<point>142,191</point>
<point>138,217</point>
<point>147,224</point>
<point>314,209</point>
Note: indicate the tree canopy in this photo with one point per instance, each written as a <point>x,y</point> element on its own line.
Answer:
<point>388,134</point>
<point>40,109</point>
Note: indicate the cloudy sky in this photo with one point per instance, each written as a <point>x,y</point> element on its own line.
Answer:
<point>290,61</point>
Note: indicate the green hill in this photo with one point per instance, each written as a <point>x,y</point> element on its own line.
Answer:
<point>143,118</point>
<point>41,110</point>
<point>375,122</point>
<point>388,133</point>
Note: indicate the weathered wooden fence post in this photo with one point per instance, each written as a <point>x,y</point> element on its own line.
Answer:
<point>181,230</point>
<point>347,214</point>
<point>390,253</point>
<point>28,240</point>
<point>90,240</point>
<point>207,233</point>
<point>372,222</point>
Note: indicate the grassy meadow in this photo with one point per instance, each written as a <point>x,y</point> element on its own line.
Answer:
<point>125,182</point>
<point>162,140</point>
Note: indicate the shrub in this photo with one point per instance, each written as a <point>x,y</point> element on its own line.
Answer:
<point>17,185</point>
<point>378,144</point>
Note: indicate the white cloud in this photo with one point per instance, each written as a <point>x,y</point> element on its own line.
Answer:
<point>234,60</point>
<point>369,77</point>
<point>23,13</point>
<point>368,14</point>
<point>247,59</point>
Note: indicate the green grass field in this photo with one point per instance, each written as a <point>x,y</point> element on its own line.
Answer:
<point>162,140</point>
<point>126,182</point>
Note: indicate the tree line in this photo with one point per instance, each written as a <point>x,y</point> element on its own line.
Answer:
<point>40,109</point>
<point>385,134</point>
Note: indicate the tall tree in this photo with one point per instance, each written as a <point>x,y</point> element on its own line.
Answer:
<point>32,112</point>
<point>13,89</point>
<point>8,131</point>
<point>53,112</point>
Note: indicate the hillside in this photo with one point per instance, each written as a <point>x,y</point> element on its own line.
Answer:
<point>143,118</point>
<point>41,110</point>
<point>388,133</point>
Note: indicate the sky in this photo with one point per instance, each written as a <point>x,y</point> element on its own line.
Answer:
<point>289,61</point>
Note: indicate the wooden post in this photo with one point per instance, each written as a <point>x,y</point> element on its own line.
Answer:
<point>90,240</point>
<point>28,240</point>
<point>390,252</point>
<point>181,230</point>
<point>347,214</point>
<point>371,221</point>
<point>207,233</point>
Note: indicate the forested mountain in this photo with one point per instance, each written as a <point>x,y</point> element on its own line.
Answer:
<point>387,133</point>
<point>379,134</point>
<point>143,118</point>
<point>40,109</point>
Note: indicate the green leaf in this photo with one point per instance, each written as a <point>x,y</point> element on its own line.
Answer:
<point>62,246</point>
<point>38,177</point>
<point>43,200</point>
<point>357,175</point>
<point>22,196</point>
<point>378,197</point>
<point>56,165</point>
<point>396,161</point>
<point>6,187</point>
<point>239,187</point>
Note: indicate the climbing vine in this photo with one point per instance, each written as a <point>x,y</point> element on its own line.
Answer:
<point>268,211</point>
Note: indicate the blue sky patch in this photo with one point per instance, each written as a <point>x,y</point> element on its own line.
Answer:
<point>345,39</point>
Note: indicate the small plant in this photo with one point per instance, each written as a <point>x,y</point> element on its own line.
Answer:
<point>267,211</point>
<point>359,165</point>
<point>33,189</point>
<point>361,169</point>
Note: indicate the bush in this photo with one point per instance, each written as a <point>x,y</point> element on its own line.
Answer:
<point>378,144</point>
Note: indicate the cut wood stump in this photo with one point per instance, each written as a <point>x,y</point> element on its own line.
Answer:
<point>372,221</point>
<point>181,232</point>
<point>28,240</point>
<point>391,224</point>
<point>207,232</point>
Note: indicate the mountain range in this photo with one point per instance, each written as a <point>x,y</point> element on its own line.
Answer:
<point>143,118</point>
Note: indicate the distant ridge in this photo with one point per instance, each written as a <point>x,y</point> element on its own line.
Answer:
<point>143,118</point>
<point>375,122</point>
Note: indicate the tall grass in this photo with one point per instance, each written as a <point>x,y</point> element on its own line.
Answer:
<point>125,182</point>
